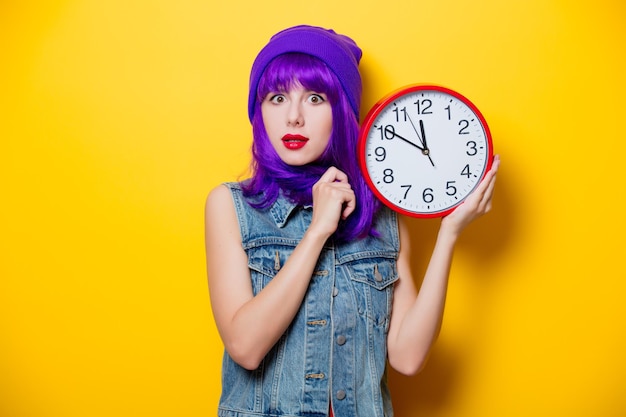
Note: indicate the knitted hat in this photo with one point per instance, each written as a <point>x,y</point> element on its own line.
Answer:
<point>340,53</point>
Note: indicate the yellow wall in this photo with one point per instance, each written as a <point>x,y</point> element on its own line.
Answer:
<point>117,117</point>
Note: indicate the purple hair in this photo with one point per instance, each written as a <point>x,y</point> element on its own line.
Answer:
<point>271,175</point>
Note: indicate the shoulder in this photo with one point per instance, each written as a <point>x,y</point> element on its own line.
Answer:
<point>223,200</point>
<point>218,196</point>
<point>220,214</point>
<point>223,193</point>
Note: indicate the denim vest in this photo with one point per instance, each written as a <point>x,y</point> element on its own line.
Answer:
<point>336,347</point>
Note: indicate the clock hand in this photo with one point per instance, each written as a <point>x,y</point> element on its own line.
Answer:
<point>406,140</point>
<point>424,142</point>
<point>425,150</point>
<point>418,135</point>
<point>423,134</point>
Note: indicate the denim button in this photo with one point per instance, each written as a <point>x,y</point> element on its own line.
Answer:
<point>335,291</point>
<point>377,276</point>
<point>341,394</point>
<point>341,339</point>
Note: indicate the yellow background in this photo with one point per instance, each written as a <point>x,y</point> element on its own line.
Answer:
<point>117,117</point>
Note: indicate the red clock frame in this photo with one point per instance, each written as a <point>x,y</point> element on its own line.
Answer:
<point>373,114</point>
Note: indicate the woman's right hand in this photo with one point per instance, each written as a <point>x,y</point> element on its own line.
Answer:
<point>333,200</point>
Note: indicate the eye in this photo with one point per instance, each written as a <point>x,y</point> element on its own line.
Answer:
<point>316,98</point>
<point>276,98</point>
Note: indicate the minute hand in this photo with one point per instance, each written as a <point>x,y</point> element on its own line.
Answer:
<point>406,140</point>
<point>423,134</point>
<point>427,151</point>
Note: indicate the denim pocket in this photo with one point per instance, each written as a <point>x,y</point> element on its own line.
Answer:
<point>372,280</point>
<point>265,260</point>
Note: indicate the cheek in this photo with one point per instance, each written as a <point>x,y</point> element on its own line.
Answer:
<point>269,121</point>
<point>325,124</point>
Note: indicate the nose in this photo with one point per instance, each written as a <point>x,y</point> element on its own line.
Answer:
<point>294,115</point>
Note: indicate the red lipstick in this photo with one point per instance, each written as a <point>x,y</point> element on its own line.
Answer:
<point>294,142</point>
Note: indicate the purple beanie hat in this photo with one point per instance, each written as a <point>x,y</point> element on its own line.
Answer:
<point>340,53</point>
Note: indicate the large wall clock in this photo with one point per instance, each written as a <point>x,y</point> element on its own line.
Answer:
<point>423,149</point>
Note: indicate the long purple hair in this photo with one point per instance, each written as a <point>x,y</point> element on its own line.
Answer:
<point>271,175</point>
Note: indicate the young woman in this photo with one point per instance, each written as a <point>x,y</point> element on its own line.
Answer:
<point>308,274</point>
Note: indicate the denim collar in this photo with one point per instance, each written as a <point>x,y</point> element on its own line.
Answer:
<point>282,209</point>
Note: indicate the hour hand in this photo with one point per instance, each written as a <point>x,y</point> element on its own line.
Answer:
<point>423,134</point>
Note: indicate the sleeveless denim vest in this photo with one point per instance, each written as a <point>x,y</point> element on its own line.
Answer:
<point>336,347</point>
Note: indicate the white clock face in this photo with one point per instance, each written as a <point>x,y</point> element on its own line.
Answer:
<point>424,150</point>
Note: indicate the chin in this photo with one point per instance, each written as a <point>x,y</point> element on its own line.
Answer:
<point>296,161</point>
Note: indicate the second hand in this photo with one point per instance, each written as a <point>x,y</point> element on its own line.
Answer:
<point>422,139</point>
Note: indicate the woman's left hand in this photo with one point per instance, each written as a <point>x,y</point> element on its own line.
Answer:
<point>476,204</point>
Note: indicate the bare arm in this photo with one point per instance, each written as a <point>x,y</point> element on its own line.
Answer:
<point>417,317</point>
<point>250,325</point>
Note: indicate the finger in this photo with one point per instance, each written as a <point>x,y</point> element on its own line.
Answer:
<point>349,206</point>
<point>330,188</point>
<point>487,183</point>
<point>495,162</point>
<point>490,187</point>
<point>342,186</point>
<point>486,196</point>
<point>492,171</point>
<point>333,174</point>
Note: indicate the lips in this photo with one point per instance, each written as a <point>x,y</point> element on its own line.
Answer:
<point>294,142</point>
